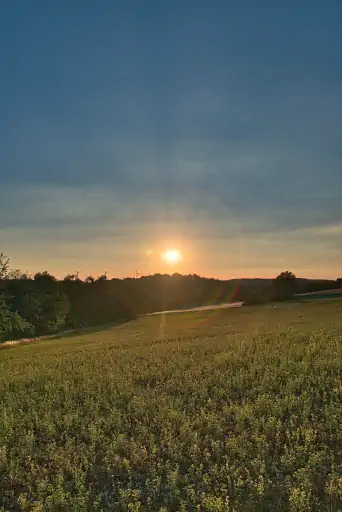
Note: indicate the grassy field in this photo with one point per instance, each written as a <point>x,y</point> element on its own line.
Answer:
<point>228,410</point>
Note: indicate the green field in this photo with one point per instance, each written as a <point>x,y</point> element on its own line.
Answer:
<point>228,410</point>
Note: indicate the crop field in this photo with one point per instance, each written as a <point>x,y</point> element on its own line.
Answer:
<point>227,410</point>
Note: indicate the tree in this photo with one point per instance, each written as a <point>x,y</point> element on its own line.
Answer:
<point>102,278</point>
<point>4,266</point>
<point>54,307</point>
<point>12,325</point>
<point>14,274</point>
<point>40,301</point>
<point>70,277</point>
<point>285,285</point>
<point>44,277</point>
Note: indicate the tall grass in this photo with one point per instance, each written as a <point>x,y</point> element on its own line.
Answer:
<point>230,410</point>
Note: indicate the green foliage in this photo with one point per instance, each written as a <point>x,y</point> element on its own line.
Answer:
<point>51,306</point>
<point>12,325</point>
<point>4,266</point>
<point>285,285</point>
<point>44,305</point>
<point>41,302</point>
<point>228,410</point>
<point>94,303</point>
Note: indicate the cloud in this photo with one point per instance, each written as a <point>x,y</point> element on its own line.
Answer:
<point>229,144</point>
<point>63,227</point>
<point>274,158</point>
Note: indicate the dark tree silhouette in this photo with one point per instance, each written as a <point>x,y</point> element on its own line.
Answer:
<point>4,265</point>
<point>285,285</point>
<point>43,304</point>
<point>70,277</point>
<point>44,277</point>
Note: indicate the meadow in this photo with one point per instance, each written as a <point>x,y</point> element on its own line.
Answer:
<point>227,410</point>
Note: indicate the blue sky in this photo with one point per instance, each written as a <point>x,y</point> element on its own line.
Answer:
<point>203,126</point>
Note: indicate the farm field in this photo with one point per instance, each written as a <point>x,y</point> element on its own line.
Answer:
<point>228,410</point>
<point>325,294</point>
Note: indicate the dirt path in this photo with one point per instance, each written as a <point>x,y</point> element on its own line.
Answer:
<point>200,308</point>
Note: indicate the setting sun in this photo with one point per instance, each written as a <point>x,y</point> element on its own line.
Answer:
<point>171,256</point>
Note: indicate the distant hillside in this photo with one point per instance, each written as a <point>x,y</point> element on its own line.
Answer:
<point>161,292</point>
<point>45,305</point>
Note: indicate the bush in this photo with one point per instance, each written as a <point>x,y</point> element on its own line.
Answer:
<point>12,325</point>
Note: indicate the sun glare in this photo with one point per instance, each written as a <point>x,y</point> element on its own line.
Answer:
<point>171,256</point>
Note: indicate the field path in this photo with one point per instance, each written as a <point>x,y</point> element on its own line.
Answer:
<point>200,308</point>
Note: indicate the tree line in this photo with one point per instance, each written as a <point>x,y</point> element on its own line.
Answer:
<point>41,304</point>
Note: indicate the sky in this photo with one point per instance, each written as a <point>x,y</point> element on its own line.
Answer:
<point>127,128</point>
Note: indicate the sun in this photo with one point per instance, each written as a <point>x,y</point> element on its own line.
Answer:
<point>172,256</point>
